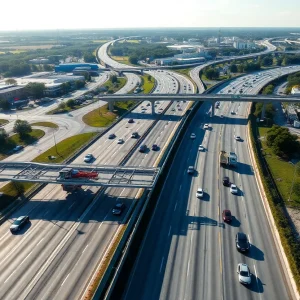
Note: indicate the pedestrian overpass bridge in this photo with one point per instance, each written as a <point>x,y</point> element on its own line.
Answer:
<point>106,176</point>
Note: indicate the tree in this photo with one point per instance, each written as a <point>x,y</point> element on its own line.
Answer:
<point>35,89</point>
<point>3,135</point>
<point>66,87</point>
<point>4,104</point>
<point>211,73</point>
<point>62,106</point>
<point>79,84</point>
<point>10,81</point>
<point>48,68</point>
<point>233,68</point>
<point>114,79</point>
<point>71,103</point>
<point>267,61</point>
<point>149,78</point>
<point>133,60</point>
<point>22,128</point>
<point>89,57</point>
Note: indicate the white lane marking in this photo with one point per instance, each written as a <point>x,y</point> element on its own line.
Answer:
<point>180,188</point>
<point>188,269</point>
<point>162,261</point>
<point>256,277</point>
<point>71,206</point>
<point>4,236</point>
<point>25,258</point>
<point>175,206</point>
<point>249,239</point>
<point>39,242</point>
<point>65,279</point>
<point>170,231</point>
<point>85,248</point>
<point>46,213</point>
<point>10,276</point>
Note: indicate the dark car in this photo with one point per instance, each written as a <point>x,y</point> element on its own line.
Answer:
<point>226,215</point>
<point>19,223</point>
<point>143,148</point>
<point>226,181</point>
<point>154,147</point>
<point>111,136</point>
<point>130,121</point>
<point>18,148</point>
<point>134,135</point>
<point>241,242</point>
<point>118,208</point>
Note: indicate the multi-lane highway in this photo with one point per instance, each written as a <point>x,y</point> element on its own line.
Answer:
<point>56,255</point>
<point>188,251</point>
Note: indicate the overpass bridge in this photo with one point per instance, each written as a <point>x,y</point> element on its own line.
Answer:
<point>88,175</point>
<point>213,98</point>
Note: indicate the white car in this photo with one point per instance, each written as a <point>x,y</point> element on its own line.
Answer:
<point>201,148</point>
<point>190,170</point>
<point>232,112</point>
<point>206,126</point>
<point>237,138</point>
<point>233,189</point>
<point>120,141</point>
<point>244,274</point>
<point>88,157</point>
<point>200,193</point>
<point>193,136</point>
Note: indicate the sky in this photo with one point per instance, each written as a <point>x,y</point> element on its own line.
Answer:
<point>65,14</point>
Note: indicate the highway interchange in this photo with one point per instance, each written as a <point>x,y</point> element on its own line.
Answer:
<point>188,253</point>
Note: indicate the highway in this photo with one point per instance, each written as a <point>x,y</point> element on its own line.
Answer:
<point>68,234</point>
<point>188,251</point>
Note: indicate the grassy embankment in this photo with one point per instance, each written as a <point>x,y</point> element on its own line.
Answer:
<point>62,151</point>
<point>14,140</point>
<point>3,122</point>
<point>102,117</point>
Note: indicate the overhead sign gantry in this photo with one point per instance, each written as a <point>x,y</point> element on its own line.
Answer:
<point>88,175</point>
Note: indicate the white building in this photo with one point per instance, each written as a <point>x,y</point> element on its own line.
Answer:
<point>244,45</point>
<point>296,90</point>
<point>40,60</point>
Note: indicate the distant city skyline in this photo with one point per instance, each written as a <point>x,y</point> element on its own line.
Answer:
<point>31,15</point>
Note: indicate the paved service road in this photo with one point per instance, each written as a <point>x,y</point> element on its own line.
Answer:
<point>188,251</point>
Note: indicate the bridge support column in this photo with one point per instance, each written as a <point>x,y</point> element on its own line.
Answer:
<point>142,72</point>
<point>153,107</point>
<point>111,105</point>
<point>263,111</point>
<point>212,111</point>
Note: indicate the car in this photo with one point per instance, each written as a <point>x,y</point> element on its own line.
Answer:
<point>18,148</point>
<point>130,121</point>
<point>233,112</point>
<point>118,208</point>
<point>19,223</point>
<point>193,136</point>
<point>111,136</point>
<point>241,242</point>
<point>233,189</point>
<point>222,116</point>
<point>226,181</point>
<point>201,148</point>
<point>206,126</point>
<point>244,273</point>
<point>200,193</point>
<point>148,104</point>
<point>229,91</point>
<point>154,147</point>
<point>173,109</point>
<point>143,148</point>
<point>237,138</point>
<point>190,170</point>
<point>120,141</point>
<point>135,135</point>
<point>89,157</point>
<point>226,215</point>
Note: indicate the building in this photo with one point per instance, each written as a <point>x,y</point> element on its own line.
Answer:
<point>71,66</point>
<point>11,92</point>
<point>53,82</point>
<point>244,45</point>
<point>40,60</point>
<point>296,90</point>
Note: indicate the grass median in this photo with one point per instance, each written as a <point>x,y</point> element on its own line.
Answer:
<point>148,83</point>
<point>3,122</point>
<point>58,154</point>
<point>45,124</point>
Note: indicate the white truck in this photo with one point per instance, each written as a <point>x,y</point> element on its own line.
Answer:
<point>228,159</point>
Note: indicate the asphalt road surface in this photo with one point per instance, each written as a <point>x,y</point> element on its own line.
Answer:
<point>188,251</point>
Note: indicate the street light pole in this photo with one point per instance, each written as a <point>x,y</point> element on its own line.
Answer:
<point>55,144</point>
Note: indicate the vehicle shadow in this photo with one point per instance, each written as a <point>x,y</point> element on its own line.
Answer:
<point>206,197</point>
<point>255,253</point>
<point>256,285</point>
<point>234,222</point>
<point>244,169</point>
